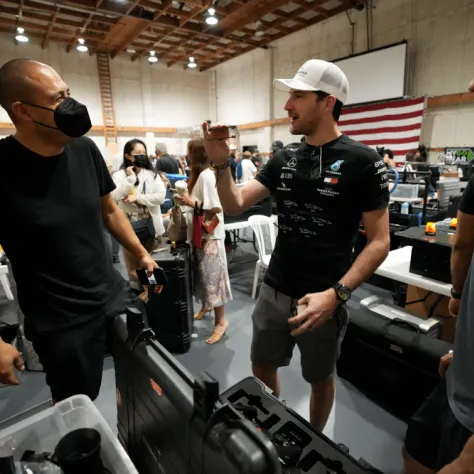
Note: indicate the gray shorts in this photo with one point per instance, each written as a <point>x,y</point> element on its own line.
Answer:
<point>272,343</point>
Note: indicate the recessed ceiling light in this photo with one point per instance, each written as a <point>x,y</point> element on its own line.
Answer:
<point>131,51</point>
<point>20,37</point>
<point>192,63</point>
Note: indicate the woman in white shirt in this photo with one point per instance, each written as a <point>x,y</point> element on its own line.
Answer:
<point>211,279</point>
<point>140,192</point>
<point>249,170</point>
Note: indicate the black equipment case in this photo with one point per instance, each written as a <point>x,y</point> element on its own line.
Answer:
<point>431,255</point>
<point>170,314</point>
<point>390,362</point>
<point>170,421</point>
<point>300,448</point>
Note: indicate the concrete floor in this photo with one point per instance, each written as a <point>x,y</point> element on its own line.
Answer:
<point>364,427</point>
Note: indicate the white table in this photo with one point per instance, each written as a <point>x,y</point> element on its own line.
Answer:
<point>408,200</point>
<point>245,224</point>
<point>397,267</point>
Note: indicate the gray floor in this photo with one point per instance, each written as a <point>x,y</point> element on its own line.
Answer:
<point>365,428</point>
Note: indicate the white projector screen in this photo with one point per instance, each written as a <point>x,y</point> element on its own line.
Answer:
<point>377,75</point>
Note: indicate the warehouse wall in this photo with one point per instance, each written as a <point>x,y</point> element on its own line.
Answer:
<point>439,62</point>
<point>144,96</point>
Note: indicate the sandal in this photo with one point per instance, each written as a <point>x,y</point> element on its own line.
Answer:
<point>217,335</point>
<point>201,314</point>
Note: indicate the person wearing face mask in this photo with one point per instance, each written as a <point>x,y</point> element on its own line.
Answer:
<point>140,192</point>
<point>58,196</point>
<point>323,188</point>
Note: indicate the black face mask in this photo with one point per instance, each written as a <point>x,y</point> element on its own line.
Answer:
<point>140,161</point>
<point>71,118</point>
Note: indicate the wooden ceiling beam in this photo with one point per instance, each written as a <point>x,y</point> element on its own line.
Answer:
<point>83,28</point>
<point>31,4</point>
<point>44,43</point>
<point>46,17</point>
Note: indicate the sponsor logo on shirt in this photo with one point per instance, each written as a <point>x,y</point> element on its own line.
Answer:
<point>307,232</point>
<point>331,180</point>
<point>330,192</point>
<point>297,217</point>
<point>336,166</point>
<point>321,222</point>
<point>292,163</point>
<point>313,207</point>
<point>285,228</point>
<point>290,204</point>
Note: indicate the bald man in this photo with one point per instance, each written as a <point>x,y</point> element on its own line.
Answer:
<point>54,200</point>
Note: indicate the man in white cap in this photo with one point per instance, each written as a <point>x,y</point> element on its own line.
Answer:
<point>323,188</point>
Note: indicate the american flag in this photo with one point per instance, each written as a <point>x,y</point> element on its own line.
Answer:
<point>394,125</point>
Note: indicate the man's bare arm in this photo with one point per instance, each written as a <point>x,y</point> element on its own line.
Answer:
<point>463,248</point>
<point>119,226</point>
<point>236,200</point>
<point>376,224</point>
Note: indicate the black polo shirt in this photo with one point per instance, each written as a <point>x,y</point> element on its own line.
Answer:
<point>320,205</point>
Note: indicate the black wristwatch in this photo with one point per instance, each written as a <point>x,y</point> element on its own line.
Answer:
<point>457,295</point>
<point>343,293</point>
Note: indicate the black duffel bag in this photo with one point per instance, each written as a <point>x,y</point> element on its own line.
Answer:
<point>390,362</point>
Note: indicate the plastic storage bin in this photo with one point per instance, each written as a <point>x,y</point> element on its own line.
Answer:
<point>406,191</point>
<point>42,431</point>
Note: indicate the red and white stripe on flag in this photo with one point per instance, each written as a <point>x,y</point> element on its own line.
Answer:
<point>395,125</point>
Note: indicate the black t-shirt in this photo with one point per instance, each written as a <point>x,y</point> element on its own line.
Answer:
<point>467,201</point>
<point>319,213</point>
<point>52,231</point>
<point>167,164</point>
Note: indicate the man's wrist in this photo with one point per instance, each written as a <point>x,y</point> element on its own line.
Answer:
<point>457,295</point>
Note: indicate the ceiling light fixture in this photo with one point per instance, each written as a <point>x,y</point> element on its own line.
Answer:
<point>131,51</point>
<point>81,46</point>
<point>192,64</point>
<point>152,58</point>
<point>20,37</point>
<point>212,19</point>
<point>259,31</point>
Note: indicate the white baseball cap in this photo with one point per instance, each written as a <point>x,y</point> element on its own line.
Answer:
<point>318,75</point>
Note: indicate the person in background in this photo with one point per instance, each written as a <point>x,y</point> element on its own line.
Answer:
<point>276,147</point>
<point>211,279</point>
<point>58,195</point>
<point>388,159</point>
<point>323,189</point>
<point>153,160</point>
<point>168,203</point>
<point>140,193</point>
<point>256,159</point>
<point>249,170</point>
<point>440,435</point>
<point>233,162</point>
<point>166,163</point>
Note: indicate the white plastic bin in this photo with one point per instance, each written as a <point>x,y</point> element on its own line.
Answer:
<point>42,432</point>
<point>406,191</point>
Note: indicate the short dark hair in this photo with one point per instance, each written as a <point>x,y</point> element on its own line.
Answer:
<point>336,113</point>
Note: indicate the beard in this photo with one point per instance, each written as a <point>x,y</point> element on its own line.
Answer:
<point>303,128</point>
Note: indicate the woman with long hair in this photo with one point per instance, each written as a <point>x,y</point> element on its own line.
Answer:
<point>211,279</point>
<point>140,192</point>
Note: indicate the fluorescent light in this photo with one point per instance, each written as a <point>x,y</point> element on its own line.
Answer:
<point>20,37</point>
<point>131,51</point>
<point>212,20</point>
<point>192,64</point>
<point>81,46</point>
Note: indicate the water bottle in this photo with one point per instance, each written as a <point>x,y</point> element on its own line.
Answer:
<point>405,208</point>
